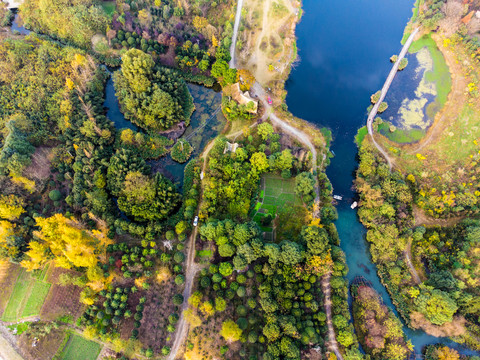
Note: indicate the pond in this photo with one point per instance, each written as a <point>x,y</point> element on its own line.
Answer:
<point>205,124</point>
<point>345,47</point>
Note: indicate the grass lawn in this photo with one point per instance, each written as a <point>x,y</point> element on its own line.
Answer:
<point>37,297</point>
<point>276,194</point>
<point>361,133</point>
<point>78,348</point>
<point>108,7</point>
<point>27,297</point>
<point>401,136</point>
<point>438,76</point>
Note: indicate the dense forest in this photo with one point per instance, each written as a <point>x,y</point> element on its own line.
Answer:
<point>152,97</point>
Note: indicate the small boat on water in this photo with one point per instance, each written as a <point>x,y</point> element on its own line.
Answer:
<point>354,205</point>
<point>337,197</point>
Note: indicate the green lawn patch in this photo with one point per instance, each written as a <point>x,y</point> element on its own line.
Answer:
<point>17,300</point>
<point>204,253</point>
<point>279,193</point>
<point>79,348</point>
<point>401,136</point>
<point>361,133</point>
<point>269,200</point>
<point>438,76</point>
<point>36,299</point>
<point>27,297</point>
<point>272,209</point>
<point>108,7</point>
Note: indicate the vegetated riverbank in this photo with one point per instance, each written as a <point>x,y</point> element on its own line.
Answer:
<point>426,185</point>
<point>322,79</point>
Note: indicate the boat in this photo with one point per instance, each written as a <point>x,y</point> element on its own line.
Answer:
<point>354,205</point>
<point>337,197</point>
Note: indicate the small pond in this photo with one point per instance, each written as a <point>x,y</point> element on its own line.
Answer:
<point>205,124</point>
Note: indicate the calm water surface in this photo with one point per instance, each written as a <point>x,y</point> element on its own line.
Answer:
<point>344,47</point>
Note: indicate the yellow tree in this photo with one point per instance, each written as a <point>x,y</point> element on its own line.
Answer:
<point>445,353</point>
<point>11,207</point>
<point>67,243</point>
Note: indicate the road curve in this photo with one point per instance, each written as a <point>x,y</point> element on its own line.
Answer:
<point>384,90</point>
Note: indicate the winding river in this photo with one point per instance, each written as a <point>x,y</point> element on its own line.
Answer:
<point>344,48</point>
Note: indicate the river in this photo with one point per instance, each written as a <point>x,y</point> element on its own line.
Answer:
<point>344,48</point>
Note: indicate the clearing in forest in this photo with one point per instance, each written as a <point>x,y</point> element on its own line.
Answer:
<point>28,295</point>
<point>266,46</point>
<point>79,348</point>
<point>276,193</point>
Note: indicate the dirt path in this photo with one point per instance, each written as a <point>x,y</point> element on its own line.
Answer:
<point>332,341</point>
<point>238,17</point>
<point>423,219</point>
<point>191,270</point>
<point>8,346</point>
<point>384,91</point>
<point>408,260</point>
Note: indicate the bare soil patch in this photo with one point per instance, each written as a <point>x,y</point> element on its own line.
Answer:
<point>39,169</point>
<point>45,348</point>
<point>61,300</point>
<point>268,38</point>
<point>158,307</point>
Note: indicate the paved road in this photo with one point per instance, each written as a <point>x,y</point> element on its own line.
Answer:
<point>385,88</point>
<point>238,17</point>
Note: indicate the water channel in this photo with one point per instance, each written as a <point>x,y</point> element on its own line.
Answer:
<point>344,48</point>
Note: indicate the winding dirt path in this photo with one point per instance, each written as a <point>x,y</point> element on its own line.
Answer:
<point>384,91</point>
<point>258,90</point>
<point>408,260</point>
<point>332,341</point>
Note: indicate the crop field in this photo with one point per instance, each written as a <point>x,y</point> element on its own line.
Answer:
<point>8,274</point>
<point>27,297</point>
<point>79,348</point>
<point>276,194</point>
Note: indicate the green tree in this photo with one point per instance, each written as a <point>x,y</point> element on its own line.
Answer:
<point>265,130</point>
<point>304,184</point>
<point>226,269</point>
<point>259,162</point>
<point>437,306</point>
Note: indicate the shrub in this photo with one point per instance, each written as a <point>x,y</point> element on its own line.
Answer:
<point>179,280</point>
<point>55,195</point>
<point>178,299</point>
